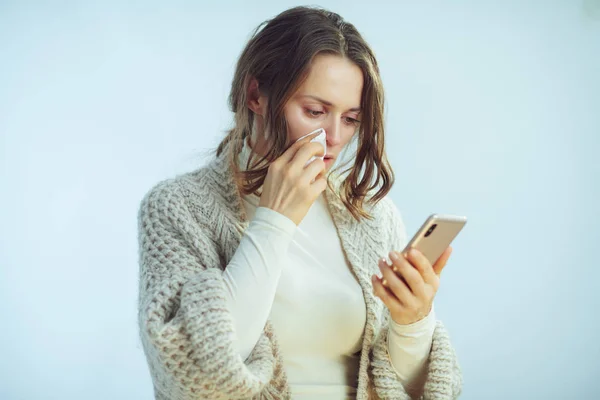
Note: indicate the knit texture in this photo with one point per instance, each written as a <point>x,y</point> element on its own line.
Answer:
<point>189,228</point>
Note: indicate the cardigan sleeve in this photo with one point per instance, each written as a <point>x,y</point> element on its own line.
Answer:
<point>185,326</point>
<point>443,379</point>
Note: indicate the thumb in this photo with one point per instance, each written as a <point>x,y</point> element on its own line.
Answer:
<point>441,262</point>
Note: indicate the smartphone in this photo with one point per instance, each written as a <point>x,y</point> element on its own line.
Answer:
<point>435,235</point>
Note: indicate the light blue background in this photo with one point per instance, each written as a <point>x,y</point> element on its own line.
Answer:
<point>493,111</point>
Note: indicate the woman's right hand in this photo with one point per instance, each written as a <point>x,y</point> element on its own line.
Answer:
<point>288,187</point>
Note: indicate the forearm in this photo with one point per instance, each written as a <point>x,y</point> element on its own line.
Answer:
<point>409,347</point>
<point>252,275</point>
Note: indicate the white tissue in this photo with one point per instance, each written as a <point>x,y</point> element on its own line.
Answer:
<point>320,138</point>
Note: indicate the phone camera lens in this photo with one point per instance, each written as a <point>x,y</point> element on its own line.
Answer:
<point>431,229</point>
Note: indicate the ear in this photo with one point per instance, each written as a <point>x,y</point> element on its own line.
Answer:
<point>255,100</point>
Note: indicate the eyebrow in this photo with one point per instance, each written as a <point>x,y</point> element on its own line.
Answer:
<point>328,103</point>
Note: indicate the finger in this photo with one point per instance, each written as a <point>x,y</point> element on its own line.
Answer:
<point>385,295</point>
<point>291,151</point>
<point>314,173</point>
<point>399,275</point>
<point>411,276</point>
<point>442,261</point>
<point>307,151</point>
<point>422,264</point>
<point>313,134</point>
<point>313,169</point>
<point>395,284</point>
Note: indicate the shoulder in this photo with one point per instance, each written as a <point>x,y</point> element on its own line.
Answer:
<point>386,217</point>
<point>171,216</point>
<point>391,223</point>
<point>389,210</point>
<point>169,200</point>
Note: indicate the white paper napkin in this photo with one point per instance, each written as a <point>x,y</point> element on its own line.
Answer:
<point>320,138</point>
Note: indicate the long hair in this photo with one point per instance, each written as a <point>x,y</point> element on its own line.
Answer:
<point>278,56</point>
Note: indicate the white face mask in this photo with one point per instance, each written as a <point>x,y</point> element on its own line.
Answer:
<point>320,138</point>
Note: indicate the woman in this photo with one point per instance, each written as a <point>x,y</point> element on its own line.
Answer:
<point>257,271</point>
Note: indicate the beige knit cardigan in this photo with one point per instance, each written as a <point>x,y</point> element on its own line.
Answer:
<point>189,228</point>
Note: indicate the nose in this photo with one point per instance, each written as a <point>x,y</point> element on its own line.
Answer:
<point>333,131</point>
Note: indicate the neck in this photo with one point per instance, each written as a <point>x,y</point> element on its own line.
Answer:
<point>257,145</point>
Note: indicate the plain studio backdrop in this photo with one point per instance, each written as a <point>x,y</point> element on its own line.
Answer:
<point>493,111</point>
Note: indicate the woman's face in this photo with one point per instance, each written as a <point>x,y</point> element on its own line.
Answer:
<point>329,98</point>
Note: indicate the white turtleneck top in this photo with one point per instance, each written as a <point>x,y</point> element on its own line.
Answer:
<point>298,278</point>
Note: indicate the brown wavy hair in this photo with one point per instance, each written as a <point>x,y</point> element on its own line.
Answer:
<point>278,56</point>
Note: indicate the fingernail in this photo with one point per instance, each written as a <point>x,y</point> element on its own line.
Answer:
<point>394,256</point>
<point>413,252</point>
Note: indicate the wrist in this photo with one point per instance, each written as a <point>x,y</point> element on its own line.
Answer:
<point>414,324</point>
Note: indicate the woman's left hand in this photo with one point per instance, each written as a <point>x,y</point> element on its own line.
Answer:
<point>408,286</point>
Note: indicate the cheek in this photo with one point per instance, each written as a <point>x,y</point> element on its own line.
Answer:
<point>299,124</point>
<point>348,134</point>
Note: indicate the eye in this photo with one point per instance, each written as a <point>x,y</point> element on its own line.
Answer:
<point>351,121</point>
<point>313,113</point>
